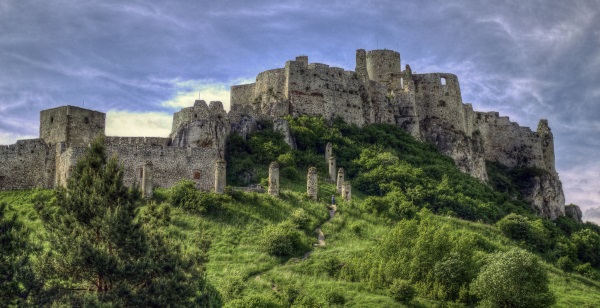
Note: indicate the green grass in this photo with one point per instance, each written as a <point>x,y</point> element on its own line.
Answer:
<point>239,268</point>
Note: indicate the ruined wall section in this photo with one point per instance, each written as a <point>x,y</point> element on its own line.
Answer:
<point>27,164</point>
<point>73,125</point>
<point>508,143</point>
<point>443,122</point>
<point>169,164</point>
<point>317,89</point>
<point>201,126</point>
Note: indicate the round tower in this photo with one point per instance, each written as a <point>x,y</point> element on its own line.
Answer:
<point>382,63</point>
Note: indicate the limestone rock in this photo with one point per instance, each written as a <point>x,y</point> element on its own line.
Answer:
<point>574,212</point>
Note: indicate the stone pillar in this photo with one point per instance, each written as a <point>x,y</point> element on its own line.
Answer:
<point>220,176</point>
<point>328,152</point>
<point>274,179</point>
<point>340,181</point>
<point>147,186</point>
<point>347,191</point>
<point>312,186</point>
<point>332,168</point>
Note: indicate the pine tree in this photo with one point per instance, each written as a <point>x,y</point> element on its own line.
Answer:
<point>101,252</point>
<point>17,280</point>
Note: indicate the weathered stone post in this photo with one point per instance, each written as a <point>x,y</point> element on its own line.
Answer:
<point>312,186</point>
<point>332,168</point>
<point>347,191</point>
<point>340,181</point>
<point>147,186</point>
<point>274,179</point>
<point>220,176</point>
<point>328,152</point>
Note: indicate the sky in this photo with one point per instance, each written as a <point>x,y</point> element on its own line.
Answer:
<point>140,61</point>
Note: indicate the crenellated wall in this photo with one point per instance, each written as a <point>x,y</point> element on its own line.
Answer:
<point>427,106</point>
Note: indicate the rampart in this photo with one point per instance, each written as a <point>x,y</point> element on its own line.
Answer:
<point>427,106</point>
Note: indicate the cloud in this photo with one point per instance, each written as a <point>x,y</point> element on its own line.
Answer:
<point>581,184</point>
<point>7,138</point>
<point>132,124</point>
<point>187,91</point>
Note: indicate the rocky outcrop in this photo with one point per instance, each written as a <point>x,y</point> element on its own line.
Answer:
<point>574,212</point>
<point>544,192</point>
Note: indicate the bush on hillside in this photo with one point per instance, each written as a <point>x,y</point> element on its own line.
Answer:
<point>283,240</point>
<point>513,279</point>
<point>185,195</point>
<point>402,291</point>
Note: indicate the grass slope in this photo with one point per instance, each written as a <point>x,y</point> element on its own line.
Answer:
<point>410,206</point>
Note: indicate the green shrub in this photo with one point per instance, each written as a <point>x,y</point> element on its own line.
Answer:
<point>283,240</point>
<point>334,298</point>
<point>513,279</point>
<point>565,263</point>
<point>185,195</point>
<point>402,291</point>
<point>330,265</point>
<point>301,220</point>
<point>587,270</point>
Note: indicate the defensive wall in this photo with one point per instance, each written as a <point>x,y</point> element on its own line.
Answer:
<point>427,106</point>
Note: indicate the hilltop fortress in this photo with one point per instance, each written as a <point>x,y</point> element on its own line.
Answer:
<point>427,106</point>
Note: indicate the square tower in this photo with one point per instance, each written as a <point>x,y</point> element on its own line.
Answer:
<point>72,125</point>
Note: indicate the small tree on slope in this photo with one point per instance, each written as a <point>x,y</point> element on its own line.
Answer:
<point>513,279</point>
<point>100,252</point>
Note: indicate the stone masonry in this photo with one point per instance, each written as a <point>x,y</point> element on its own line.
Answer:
<point>273,189</point>
<point>380,90</point>
<point>312,184</point>
<point>340,180</point>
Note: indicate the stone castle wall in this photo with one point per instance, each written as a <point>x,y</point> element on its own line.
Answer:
<point>27,164</point>
<point>427,106</point>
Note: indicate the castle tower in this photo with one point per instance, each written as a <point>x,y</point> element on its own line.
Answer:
<point>312,186</point>
<point>547,140</point>
<point>220,176</point>
<point>328,152</point>
<point>382,64</point>
<point>274,179</point>
<point>147,186</point>
<point>340,180</point>
<point>71,125</point>
<point>361,64</point>
<point>347,191</point>
<point>332,168</point>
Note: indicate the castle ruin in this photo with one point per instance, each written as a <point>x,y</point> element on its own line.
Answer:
<point>427,106</point>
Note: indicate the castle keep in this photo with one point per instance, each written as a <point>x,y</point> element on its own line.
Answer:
<point>427,106</point>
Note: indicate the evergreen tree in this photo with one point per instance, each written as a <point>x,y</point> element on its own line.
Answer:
<point>16,276</point>
<point>102,253</point>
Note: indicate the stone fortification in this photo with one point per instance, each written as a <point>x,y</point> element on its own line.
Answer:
<point>196,143</point>
<point>427,106</point>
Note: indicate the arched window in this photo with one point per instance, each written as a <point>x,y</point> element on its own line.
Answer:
<point>443,81</point>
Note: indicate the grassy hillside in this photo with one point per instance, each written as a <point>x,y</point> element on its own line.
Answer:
<point>414,219</point>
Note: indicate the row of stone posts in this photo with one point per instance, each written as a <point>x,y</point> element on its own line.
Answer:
<point>343,187</point>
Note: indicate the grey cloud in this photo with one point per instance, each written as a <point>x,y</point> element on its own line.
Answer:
<point>525,59</point>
